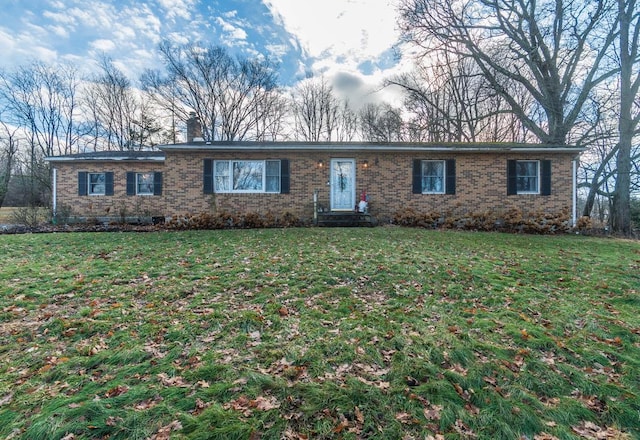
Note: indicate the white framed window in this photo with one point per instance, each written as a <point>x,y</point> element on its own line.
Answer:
<point>433,176</point>
<point>246,176</point>
<point>96,184</point>
<point>528,176</point>
<point>144,184</point>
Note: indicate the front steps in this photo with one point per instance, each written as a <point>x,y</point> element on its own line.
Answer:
<point>345,219</point>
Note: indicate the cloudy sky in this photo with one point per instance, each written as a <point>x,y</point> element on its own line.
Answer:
<point>350,41</point>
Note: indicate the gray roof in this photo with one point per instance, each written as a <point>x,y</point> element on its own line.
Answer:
<point>328,147</point>
<point>109,156</point>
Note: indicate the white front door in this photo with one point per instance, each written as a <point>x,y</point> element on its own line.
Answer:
<point>343,184</point>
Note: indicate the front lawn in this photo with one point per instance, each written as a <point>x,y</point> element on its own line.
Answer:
<point>382,333</point>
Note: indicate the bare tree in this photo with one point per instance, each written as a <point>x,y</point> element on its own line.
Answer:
<point>42,100</point>
<point>120,118</point>
<point>629,24</point>
<point>450,101</point>
<point>381,123</point>
<point>319,115</point>
<point>346,126</point>
<point>229,95</point>
<point>113,107</point>
<point>270,115</point>
<point>554,49</point>
<point>8,150</point>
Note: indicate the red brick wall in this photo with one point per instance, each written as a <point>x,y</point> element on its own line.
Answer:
<point>481,185</point>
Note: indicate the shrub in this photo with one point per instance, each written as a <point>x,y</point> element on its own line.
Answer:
<point>227,220</point>
<point>29,216</point>
<point>513,220</point>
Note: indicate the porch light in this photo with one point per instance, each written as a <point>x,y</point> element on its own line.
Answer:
<point>365,164</point>
<point>320,163</point>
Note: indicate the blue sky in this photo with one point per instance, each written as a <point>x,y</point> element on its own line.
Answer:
<point>349,41</point>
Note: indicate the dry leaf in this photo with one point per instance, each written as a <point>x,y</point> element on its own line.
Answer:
<point>165,432</point>
<point>263,404</point>
<point>114,392</point>
<point>175,381</point>
<point>6,399</point>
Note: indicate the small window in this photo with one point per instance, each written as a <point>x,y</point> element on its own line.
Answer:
<point>144,184</point>
<point>247,176</point>
<point>433,176</point>
<point>96,184</point>
<point>527,177</point>
<point>272,176</point>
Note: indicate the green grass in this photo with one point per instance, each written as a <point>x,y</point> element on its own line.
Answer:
<point>318,333</point>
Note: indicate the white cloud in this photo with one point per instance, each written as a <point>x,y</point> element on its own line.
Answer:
<point>7,41</point>
<point>59,31</point>
<point>177,8</point>
<point>232,31</point>
<point>60,18</point>
<point>355,30</point>
<point>103,45</point>
<point>145,21</point>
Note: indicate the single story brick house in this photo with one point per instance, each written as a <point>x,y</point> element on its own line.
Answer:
<point>303,178</point>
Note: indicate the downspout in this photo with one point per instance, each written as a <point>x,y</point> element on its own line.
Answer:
<point>54,200</point>
<point>315,207</point>
<point>55,195</point>
<point>575,193</point>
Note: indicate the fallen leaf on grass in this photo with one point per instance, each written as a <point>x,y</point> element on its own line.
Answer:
<point>341,427</point>
<point>591,431</point>
<point>114,392</point>
<point>6,399</point>
<point>406,418</point>
<point>246,405</point>
<point>545,436</point>
<point>148,403</point>
<point>291,435</point>
<point>175,381</point>
<point>263,404</point>
<point>433,412</point>
<point>165,432</point>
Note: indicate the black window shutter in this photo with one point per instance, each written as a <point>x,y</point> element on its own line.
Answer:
<point>417,176</point>
<point>450,185</point>
<point>157,184</point>
<point>207,176</point>
<point>131,183</point>
<point>545,177</point>
<point>512,178</point>
<point>108,183</point>
<point>82,183</point>
<point>285,177</point>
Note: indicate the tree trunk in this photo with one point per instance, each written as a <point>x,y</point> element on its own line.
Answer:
<point>621,207</point>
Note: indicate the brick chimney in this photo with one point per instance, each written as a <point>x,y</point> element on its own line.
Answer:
<point>194,129</point>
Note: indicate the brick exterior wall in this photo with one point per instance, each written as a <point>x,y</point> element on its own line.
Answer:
<point>481,185</point>
<point>96,206</point>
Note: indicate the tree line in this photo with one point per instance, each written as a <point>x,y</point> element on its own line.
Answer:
<point>557,72</point>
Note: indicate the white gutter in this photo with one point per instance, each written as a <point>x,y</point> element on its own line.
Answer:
<point>392,148</point>
<point>103,159</point>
